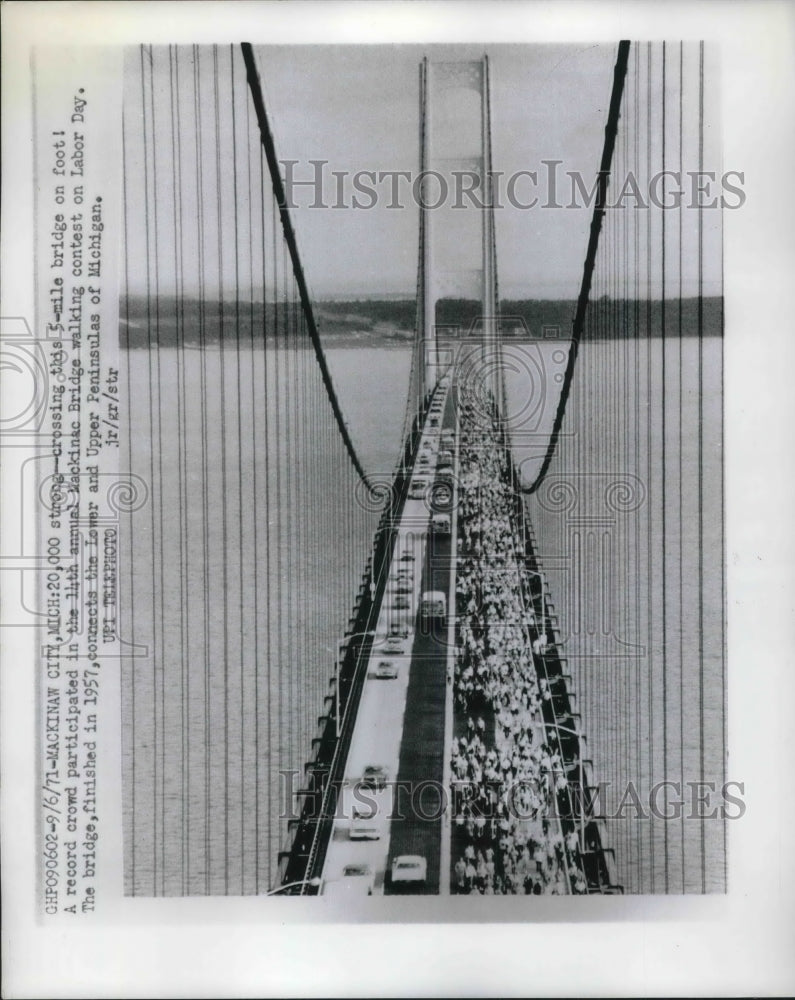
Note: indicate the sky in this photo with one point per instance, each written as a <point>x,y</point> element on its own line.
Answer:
<point>354,109</point>
<point>358,108</point>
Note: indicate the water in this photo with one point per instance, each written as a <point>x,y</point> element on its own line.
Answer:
<point>248,556</point>
<point>630,533</point>
<point>228,689</point>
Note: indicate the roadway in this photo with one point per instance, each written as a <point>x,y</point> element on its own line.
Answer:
<point>418,827</point>
<point>400,723</point>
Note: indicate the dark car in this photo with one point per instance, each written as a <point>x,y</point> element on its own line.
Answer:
<point>417,489</point>
<point>374,776</point>
<point>385,670</point>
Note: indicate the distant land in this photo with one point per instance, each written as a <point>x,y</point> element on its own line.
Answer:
<point>390,321</point>
<point>607,319</point>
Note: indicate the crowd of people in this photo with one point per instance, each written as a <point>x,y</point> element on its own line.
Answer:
<point>507,837</point>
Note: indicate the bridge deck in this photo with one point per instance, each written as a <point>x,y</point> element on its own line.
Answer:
<point>418,828</point>
<point>400,723</point>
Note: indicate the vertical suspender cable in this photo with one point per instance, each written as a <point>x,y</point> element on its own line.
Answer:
<point>680,443</point>
<point>663,480</point>
<point>131,628</point>
<point>701,454</point>
<point>239,470</point>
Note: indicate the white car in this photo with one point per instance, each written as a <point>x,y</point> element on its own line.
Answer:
<point>433,604</point>
<point>417,489</point>
<point>364,828</point>
<point>409,868</point>
<point>357,880</point>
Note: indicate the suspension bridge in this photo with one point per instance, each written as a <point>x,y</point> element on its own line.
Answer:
<point>536,626</point>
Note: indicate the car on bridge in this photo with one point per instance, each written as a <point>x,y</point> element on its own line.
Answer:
<point>445,457</point>
<point>395,645</point>
<point>434,604</point>
<point>441,524</point>
<point>364,827</point>
<point>403,585</point>
<point>417,489</point>
<point>357,880</point>
<point>385,670</point>
<point>445,472</point>
<point>441,495</point>
<point>407,556</point>
<point>409,869</point>
<point>374,776</point>
<point>401,602</point>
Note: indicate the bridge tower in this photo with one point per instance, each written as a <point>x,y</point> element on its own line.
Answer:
<point>457,245</point>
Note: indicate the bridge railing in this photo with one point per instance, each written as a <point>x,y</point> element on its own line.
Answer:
<point>576,801</point>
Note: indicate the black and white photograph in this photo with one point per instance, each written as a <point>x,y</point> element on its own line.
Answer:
<point>430,569</point>
<point>395,497</point>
